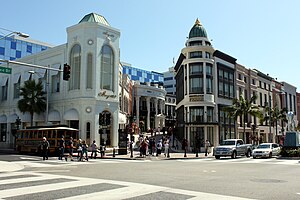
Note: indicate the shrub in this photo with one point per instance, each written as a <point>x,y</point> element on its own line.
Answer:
<point>290,152</point>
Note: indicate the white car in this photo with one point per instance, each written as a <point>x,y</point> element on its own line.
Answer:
<point>266,150</point>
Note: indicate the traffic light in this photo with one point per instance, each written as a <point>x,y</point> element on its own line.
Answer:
<point>66,72</point>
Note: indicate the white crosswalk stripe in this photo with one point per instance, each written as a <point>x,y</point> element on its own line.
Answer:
<point>59,163</point>
<point>272,161</point>
<point>67,190</point>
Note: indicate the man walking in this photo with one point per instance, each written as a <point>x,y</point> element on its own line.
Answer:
<point>61,147</point>
<point>94,149</point>
<point>207,145</point>
<point>45,147</point>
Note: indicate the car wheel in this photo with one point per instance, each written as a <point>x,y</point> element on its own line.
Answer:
<point>270,155</point>
<point>233,155</point>
<point>217,157</point>
<point>254,157</point>
<point>248,154</point>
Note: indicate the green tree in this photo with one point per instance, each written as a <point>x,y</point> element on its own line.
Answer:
<point>241,107</point>
<point>276,115</point>
<point>34,100</point>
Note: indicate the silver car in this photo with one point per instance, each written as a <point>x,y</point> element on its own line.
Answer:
<point>266,150</point>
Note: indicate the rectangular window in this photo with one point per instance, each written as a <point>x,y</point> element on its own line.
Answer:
<point>17,88</point>
<point>208,69</point>
<point>253,82</point>
<point>55,83</point>
<point>260,99</point>
<point>196,85</point>
<point>240,76</point>
<point>196,68</point>
<point>29,49</point>
<point>4,90</point>
<point>196,54</point>
<point>207,55</point>
<point>18,54</point>
<point>2,51</point>
<point>196,114</point>
<point>209,82</point>
<point>210,111</point>
<point>13,45</point>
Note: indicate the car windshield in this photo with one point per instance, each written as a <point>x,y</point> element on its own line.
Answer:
<point>226,142</point>
<point>264,146</point>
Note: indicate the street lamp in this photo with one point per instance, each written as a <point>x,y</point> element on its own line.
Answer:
<point>23,35</point>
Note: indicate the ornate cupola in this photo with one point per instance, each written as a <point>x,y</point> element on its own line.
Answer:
<point>197,30</point>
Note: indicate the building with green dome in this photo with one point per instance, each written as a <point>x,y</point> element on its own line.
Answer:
<point>202,90</point>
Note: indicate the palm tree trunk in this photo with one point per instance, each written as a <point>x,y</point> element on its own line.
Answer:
<point>31,118</point>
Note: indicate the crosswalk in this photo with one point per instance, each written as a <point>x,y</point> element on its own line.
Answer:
<point>32,185</point>
<point>272,161</point>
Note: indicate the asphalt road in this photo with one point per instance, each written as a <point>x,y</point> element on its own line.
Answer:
<point>242,177</point>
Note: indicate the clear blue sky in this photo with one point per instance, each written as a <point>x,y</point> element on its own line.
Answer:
<point>259,34</point>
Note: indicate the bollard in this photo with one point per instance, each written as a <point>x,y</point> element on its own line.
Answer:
<point>168,156</point>
<point>197,153</point>
<point>114,152</point>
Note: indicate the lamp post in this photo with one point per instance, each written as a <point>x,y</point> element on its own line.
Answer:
<point>23,35</point>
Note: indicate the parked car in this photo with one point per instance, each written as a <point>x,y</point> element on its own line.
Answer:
<point>233,148</point>
<point>266,150</point>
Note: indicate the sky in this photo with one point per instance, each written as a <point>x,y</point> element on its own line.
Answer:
<point>264,35</point>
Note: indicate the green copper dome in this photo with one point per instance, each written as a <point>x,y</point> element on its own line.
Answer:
<point>93,17</point>
<point>197,30</point>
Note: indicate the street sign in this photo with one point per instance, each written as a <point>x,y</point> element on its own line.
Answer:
<point>5,70</point>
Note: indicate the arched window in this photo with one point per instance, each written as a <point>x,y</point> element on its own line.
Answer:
<point>89,71</point>
<point>75,63</point>
<point>107,68</point>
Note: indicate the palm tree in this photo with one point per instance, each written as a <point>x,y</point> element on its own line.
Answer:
<point>275,115</point>
<point>34,100</point>
<point>241,108</point>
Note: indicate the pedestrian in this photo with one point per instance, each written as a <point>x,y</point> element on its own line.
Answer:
<point>150,146</point>
<point>102,150</point>
<point>153,147</point>
<point>71,146</point>
<point>94,149</point>
<point>61,148</point>
<point>85,150</point>
<point>159,147</point>
<point>166,146</point>
<point>207,145</point>
<point>45,147</point>
<point>79,150</point>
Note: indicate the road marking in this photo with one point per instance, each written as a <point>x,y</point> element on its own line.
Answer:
<point>29,158</point>
<point>124,191</point>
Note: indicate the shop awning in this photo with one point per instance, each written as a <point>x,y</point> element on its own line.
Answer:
<point>54,116</point>
<point>71,114</point>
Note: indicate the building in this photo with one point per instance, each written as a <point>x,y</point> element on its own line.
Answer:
<point>203,86</point>
<point>92,51</point>
<point>169,81</point>
<point>143,76</point>
<point>15,47</point>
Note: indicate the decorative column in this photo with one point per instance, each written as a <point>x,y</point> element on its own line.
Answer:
<point>148,112</point>
<point>137,103</point>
